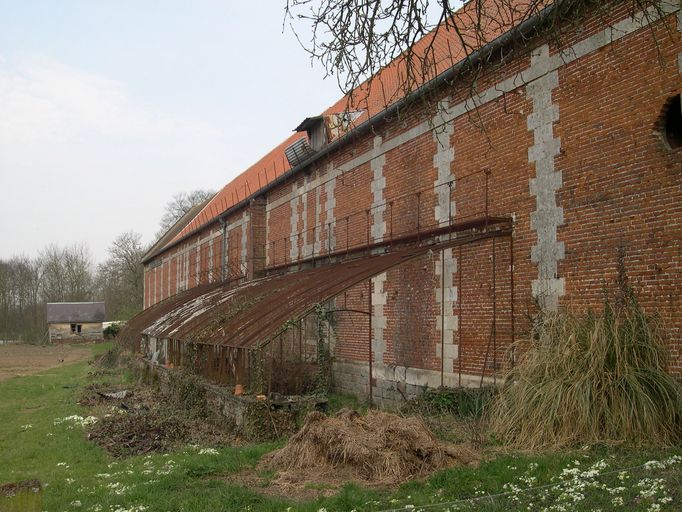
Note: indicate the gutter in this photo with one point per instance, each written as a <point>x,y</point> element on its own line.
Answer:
<point>519,31</point>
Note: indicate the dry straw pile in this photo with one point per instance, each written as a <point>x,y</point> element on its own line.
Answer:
<point>377,447</point>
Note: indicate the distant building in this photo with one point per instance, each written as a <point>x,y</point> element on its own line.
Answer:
<point>75,321</point>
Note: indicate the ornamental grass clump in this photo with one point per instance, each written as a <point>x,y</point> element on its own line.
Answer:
<point>591,378</point>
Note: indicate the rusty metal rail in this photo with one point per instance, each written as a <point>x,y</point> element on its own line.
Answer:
<point>406,216</point>
<point>251,315</point>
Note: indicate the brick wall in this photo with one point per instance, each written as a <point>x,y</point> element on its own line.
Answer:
<point>563,140</point>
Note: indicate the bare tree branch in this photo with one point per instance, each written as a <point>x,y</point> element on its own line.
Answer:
<point>180,205</point>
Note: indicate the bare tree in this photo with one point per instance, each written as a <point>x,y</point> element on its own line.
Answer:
<point>120,278</point>
<point>180,205</point>
<point>355,40</point>
<point>21,315</point>
<point>66,273</point>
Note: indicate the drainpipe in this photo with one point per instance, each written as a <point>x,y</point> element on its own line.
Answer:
<point>369,296</point>
<point>223,255</point>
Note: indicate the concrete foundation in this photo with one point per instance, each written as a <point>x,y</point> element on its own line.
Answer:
<point>393,385</point>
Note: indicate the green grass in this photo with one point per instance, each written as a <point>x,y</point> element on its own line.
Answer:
<point>75,469</point>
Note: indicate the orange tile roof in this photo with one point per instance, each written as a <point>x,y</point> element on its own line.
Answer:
<point>265,170</point>
<point>443,46</point>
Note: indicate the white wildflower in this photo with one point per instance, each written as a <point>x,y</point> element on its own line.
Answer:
<point>118,488</point>
<point>75,419</point>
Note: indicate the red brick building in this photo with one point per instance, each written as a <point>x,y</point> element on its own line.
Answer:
<point>528,189</point>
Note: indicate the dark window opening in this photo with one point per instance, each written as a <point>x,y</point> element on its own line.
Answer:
<point>76,328</point>
<point>672,119</point>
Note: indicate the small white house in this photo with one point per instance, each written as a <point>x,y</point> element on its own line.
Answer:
<point>69,322</point>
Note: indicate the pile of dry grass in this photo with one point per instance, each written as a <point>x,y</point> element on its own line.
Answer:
<point>592,378</point>
<point>377,447</point>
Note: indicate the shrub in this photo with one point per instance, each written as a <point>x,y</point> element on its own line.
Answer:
<point>111,358</point>
<point>189,391</point>
<point>112,330</point>
<point>460,402</point>
<point>591,378</point>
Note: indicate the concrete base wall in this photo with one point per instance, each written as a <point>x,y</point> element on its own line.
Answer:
<point>220,401</point>
<point>394,385</point>
<point>240,411</point>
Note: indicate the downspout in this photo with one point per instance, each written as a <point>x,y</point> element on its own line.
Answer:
<point>223,253</point>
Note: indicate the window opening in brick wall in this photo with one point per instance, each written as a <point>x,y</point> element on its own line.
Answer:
<point>76,328</point>
<point>672,122</point>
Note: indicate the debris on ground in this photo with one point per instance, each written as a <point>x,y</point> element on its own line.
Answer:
<point>14,488</point>
<point>118,395</point>
<point>25,496</point>
<point>141,421</point>
<point>99,393</point>
<point>378,448</point>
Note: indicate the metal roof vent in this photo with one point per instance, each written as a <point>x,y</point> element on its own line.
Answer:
<point>299,152</point>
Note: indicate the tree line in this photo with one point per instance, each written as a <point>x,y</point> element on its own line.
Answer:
<point>69,274</point>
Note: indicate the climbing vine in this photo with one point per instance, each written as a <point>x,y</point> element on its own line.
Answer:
<point>324,358</point>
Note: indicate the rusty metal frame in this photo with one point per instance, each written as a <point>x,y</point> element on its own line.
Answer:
<point>204,315</point>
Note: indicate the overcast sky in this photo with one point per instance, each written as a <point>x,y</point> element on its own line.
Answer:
<point>109,108</point>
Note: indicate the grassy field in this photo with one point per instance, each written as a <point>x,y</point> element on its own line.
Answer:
<point>36,441</point>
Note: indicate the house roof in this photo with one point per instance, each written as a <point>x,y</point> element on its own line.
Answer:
<point>75,312</point>
<point>260,174</point>
<point>173,231</point>
<point>443,46</point>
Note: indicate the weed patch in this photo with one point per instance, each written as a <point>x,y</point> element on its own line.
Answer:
<point>459,402</point>
<point>592,378</point>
